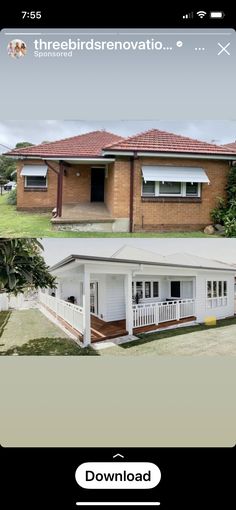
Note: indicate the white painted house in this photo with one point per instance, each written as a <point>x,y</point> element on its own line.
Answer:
<point>135,290</point>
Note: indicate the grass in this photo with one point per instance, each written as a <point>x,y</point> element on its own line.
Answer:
<point>30,333</point>
<point>145,338</point>
<point>15,223</point>
<point>4,316</point>
<point>49,347</point>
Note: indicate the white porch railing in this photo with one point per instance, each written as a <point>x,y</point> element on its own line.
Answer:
<point>70,313</point>
<point>217,301</point>
<point>145,314</point>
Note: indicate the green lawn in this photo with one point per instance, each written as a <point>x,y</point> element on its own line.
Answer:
<point>30,333</point>
<point>149,337</point>
<point>188,340</point>
<point>15,223</point>
<point>50,347</point>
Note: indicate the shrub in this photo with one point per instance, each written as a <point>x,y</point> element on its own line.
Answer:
<point>230,226</point>
<point>231,185</point>
<point>225,212</point>
<point>219,212</point>
<point>11,197</point>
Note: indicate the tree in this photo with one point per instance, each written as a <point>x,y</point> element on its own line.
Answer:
<point>22,266</point>
<point>7,168</point>
<point>8,165</point>
<point>3,181</point>
<point>21,145</point>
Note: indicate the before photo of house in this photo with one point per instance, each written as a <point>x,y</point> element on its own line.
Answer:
<point>100,181</point>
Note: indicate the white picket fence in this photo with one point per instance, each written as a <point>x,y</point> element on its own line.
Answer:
<point>70,313</point>
<point>8,301</point>
<point>145,314</point>
<point>4,302</point>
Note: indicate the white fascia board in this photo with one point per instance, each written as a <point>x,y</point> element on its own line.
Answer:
<point>140,154</point>
<point>185,155</point>
<point>171,155</point>
<point>118,153</point>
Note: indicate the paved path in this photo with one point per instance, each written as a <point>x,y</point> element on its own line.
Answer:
<point>210,342</point>
<point>25,325</point>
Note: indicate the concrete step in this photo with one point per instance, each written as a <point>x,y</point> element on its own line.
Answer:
<point>82,225</point>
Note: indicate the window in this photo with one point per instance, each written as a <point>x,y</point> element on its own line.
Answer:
<point>214,289</point>
<point>145,289</point>
<point>155,289</point>
<point>216,293</point>
<point>209,289</point>
<point>139,290</point>
<point>192,189</point>
<point>149,188</point>
<point>170,188</point>
<point>225,289</point>
<point>35,181</point>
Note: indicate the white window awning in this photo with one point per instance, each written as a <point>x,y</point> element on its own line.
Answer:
<point>174,174</point>
<point>34,170</point>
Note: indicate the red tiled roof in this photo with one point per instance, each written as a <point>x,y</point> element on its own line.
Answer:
<point>91,145</point>
<point>231,146</point>
<point>163,141</point>
<point>86,145</point>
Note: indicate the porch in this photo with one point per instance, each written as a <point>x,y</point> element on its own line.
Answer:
<point>88,211</point>
<point>145,317</point>
<point>88,216</point>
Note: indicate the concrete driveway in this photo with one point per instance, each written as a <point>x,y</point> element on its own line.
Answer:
<point>211,342</point>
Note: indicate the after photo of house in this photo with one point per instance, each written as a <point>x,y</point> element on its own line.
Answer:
<point>110,297</point>
<point>114,179</point>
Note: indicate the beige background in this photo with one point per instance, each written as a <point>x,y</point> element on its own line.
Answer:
<point>117,402</point>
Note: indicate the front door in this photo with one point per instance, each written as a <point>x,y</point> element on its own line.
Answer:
<point>175,289</point>
<point>94,297</point>
<point>97,184</point>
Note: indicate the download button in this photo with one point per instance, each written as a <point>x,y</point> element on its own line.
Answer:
<point>118,475</point>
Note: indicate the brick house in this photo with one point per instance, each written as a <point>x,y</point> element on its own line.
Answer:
<point>98,181</point>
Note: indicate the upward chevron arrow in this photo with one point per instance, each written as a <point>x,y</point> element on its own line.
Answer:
<point>118,455</point>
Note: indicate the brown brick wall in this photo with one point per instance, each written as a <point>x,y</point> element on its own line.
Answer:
<point>121,188</point>
<point>109,189</point>
<point>77,189</point>
<point>148,215</point>
<point>43,200</point>
<point>179,215</point>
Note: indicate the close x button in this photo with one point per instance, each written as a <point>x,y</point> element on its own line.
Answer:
<point>118,475</point>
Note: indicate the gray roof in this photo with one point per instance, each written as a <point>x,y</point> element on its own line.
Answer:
<point>130,255</point>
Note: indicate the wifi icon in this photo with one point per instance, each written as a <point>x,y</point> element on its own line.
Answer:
<point>201,14</point>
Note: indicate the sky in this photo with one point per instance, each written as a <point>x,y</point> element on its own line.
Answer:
<point>11,132</point>
<point>217,249</point>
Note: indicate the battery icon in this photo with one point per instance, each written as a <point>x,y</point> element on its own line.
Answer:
<point>216,14</point>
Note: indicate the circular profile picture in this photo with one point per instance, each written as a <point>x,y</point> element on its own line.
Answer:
<point>16,48</point>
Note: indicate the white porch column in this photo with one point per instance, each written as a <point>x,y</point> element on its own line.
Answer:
<point>128,303</point>
<point>86,308</point>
